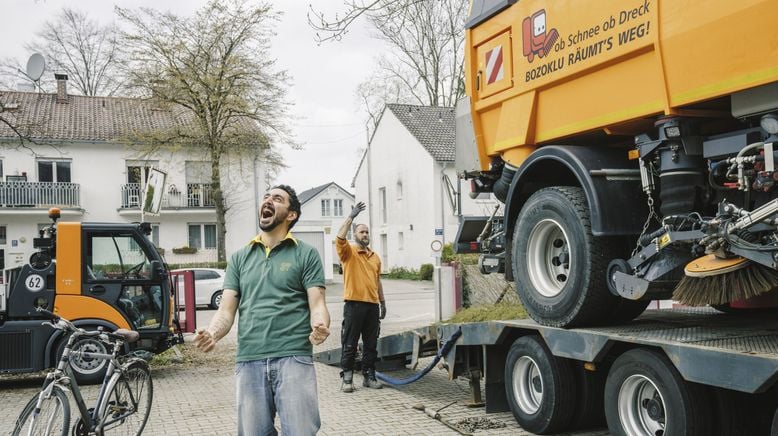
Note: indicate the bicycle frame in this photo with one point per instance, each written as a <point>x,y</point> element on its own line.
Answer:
<point>63,377</point>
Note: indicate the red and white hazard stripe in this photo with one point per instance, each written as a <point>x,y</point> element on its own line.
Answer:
<point>494,69</point>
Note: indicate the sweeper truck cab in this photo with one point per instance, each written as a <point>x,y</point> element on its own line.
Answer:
<point>97,275</point>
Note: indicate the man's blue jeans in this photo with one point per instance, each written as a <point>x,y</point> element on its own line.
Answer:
<point>283,385</point>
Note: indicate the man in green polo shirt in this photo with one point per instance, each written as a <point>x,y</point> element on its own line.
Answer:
<point>276,284</point>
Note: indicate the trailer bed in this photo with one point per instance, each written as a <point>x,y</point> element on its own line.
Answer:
<point>708,347</point>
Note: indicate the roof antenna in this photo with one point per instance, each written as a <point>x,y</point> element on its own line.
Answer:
<point>35,67</point>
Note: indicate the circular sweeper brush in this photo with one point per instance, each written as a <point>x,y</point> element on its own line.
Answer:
<point>713,280</point>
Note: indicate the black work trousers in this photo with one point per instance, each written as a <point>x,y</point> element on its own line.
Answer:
<point>359,318</point>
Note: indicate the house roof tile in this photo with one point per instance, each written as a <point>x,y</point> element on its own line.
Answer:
<point>309,194</point>
<point>432,126</point>
<point>87,118</point>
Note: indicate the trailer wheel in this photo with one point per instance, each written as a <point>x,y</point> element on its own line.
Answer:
<point>589,411</point>
<point>646,396</point>
<point>538,386</point>
<point>560,268</point>
<point>86,370</point>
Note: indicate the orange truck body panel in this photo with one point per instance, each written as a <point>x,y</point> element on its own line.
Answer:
<point>539,72</point>
<point>68,259</point>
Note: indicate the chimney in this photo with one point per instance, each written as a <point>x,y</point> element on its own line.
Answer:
<point>62,87</point>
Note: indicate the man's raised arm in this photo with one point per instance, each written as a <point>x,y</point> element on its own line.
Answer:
<point>343,232</point>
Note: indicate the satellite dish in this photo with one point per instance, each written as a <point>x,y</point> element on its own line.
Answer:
<point>35,66</point>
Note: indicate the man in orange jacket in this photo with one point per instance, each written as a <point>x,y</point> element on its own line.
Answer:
<point>364,303</point>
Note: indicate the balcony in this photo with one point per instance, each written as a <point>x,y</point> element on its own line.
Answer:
<point>40,194</point>
<point>197,195</point>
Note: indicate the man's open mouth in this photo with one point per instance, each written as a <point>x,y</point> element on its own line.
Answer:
<point>267,212</point>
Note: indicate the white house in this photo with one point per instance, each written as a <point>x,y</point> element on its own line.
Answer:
<point>76,163</point>
<point>408,180</point>
<point>323,210</point>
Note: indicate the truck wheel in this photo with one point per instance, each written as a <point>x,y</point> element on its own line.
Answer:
<point>560,268</point>
<point>86,370</point>
<point>627,310</point>
<point>589,412</point>
<point>646,396</point>
<point>216,300</point>
<point>538,386</point>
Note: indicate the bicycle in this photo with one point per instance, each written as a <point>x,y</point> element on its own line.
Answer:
<point>123,402</point>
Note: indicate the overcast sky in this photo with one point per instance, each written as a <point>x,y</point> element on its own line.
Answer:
<point>329,121</point>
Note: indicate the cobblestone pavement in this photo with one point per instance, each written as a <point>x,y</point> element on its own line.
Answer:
<point>200,401</point>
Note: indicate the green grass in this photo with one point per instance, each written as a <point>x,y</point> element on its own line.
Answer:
<point>191,356</point>
<point>492,312</point>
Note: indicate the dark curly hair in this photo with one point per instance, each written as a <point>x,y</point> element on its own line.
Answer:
<point>294,202</point>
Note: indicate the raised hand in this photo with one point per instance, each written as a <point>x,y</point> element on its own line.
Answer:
<point>357,209</point>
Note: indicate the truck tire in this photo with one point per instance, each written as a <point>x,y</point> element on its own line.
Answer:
<point>740,414</point>
<point>646,396</point>
<point>560,268</point>
<point>590,388</point>
<point>87,371</point>
<point>538,387</point>
<point>627,310</point>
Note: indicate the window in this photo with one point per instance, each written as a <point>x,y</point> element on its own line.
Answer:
<point>399,190</point>
<point>54,171</point>
<point>325,208</point>
<point>202,236</point>
<point>3,237</point>
<point>338,205</point>
<point>155,234</point>
<point>400,241</point>
<point>116,257</point>
<point>1,170</point>
<point>382,204</point>
<point>198,172</point>
<point>204,274</point>
<point>138,171</point>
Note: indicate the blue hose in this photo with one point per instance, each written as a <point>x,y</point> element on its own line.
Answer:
<point>443,350</point>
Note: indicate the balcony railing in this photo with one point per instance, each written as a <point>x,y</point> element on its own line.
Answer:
<point>40,194</point>
<point>196,195</point>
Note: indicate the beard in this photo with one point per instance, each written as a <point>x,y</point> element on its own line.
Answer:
<point>271,225</point>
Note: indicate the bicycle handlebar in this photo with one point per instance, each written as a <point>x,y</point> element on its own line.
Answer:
<point>63,324</point>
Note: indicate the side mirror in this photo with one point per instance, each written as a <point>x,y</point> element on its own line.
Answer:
<point>157,271</point>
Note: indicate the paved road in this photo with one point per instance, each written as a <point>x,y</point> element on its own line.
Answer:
<point>200,401</point>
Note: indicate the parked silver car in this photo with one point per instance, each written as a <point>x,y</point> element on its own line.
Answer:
<point>209,283</point>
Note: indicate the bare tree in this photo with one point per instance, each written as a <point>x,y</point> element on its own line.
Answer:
<point>79,47</point>
<point>215,68</point>
<point>425,65</point>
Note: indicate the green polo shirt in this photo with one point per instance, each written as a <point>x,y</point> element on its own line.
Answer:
<point>273,312</point>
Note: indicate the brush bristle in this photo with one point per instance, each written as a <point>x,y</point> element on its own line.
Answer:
<point>742,284</point>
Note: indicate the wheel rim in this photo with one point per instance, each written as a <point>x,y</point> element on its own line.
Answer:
<point>217,300</point>
<point>548,258</point>
<point>87,365</point>
<point>641,407</point>
<point>527,385</point>
<point>118,406</point>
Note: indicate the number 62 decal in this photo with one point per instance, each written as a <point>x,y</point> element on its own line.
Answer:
<point>35,282</point>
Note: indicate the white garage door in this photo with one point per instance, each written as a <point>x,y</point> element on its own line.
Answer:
<point>313,238</point>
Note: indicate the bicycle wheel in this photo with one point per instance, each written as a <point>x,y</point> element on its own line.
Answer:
<point>53,418</point>
<point>125,408</point>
